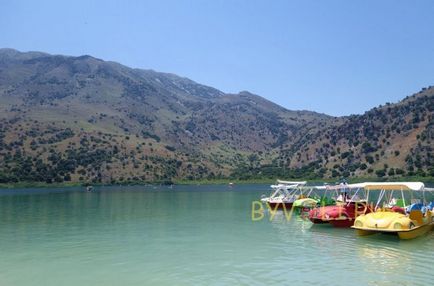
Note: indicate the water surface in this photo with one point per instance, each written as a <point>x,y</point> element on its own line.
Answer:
<point>187,235</point>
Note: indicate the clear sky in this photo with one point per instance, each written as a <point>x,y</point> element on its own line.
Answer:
<point>335,57</point>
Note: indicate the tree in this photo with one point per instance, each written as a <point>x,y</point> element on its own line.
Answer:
<point>3,178</point>
<point>335,173</point>
<point>367,148</point>
<point>380,173</point>
<point>369,159</point>
<point>391,172</point>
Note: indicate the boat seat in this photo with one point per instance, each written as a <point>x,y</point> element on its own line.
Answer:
<point>414,207</point>
<point>400,203</point>
<point>398,209</point>
<point>417,215</point>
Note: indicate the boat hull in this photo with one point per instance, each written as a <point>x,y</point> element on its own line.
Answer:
<point>362,232</point>
<point>280,206</point>
<point>342,222</point>
<point>318,221</point>
<point>415,232</point>
<point>402,234</point>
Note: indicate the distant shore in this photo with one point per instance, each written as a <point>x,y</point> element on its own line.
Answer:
<point>18,185</point>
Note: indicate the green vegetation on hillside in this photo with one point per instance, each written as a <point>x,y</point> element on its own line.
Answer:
<point>69,120</point>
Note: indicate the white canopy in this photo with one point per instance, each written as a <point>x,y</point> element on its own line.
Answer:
<point>392,186</point>
<point>292,182</point>
<point>387,186</point>
<point>284,186</point>
<point>314,187</point>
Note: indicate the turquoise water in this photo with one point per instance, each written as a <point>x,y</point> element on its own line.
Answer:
<point>188,235</point>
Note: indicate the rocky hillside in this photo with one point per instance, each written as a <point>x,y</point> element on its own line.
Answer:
<point>387,141</point>
<point>83,119</point>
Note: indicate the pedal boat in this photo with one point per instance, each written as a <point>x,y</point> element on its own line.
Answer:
<point>415,221</point>
<point>346,209</point>
<point>285,193</point>
<point>313,197</point>
<point>342,214</point>
<point>405,226</point>
<point>306,203</point>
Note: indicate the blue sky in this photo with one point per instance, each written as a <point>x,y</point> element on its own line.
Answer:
<point>335,57</point>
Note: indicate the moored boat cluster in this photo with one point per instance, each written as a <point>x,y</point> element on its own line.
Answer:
<point>405,209</point>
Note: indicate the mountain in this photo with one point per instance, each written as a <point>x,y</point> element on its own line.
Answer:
<point>390,140</point>
<point>83,119</point>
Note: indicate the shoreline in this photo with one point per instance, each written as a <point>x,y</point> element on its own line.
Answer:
<point>28,185</point>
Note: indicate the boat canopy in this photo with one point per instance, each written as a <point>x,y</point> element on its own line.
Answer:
<point>291,182</point>
<point>367,186</point>
<point>284,186</point>
<point>390,186</point>
<point>314,187</point>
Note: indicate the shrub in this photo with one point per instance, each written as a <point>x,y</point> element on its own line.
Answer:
<point>363,166</point>
<point>369,159</point>
<point>170,148</point>
<point>391,172</point>
<point>380,173</point>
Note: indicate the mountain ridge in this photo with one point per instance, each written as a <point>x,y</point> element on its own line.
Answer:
<point>137,124</point>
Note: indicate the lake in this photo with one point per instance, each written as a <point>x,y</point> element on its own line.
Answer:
<point>188,235</point>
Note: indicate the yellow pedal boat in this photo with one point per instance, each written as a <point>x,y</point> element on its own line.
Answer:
<point>405,226</point>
